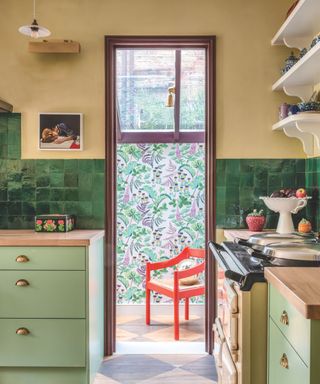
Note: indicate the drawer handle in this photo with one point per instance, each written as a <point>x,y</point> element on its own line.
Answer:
<point>22,259</point>
<point>284,318</point>
<point>22,283</point>
<point>22,331</point>
<point>284,361</point>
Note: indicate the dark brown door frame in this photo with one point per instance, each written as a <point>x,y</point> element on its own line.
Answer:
<point>111,43</point>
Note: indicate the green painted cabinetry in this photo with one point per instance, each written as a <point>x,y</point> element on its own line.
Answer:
<point>294,343</point>
<point>51,314</point>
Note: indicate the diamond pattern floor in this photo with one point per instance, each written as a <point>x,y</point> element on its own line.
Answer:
<point>157,369</point>
<point>133,328</point>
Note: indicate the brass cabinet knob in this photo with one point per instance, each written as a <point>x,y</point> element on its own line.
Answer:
<point>22,283</point>
<point>22,259</point>
<point>284,361</point>
<point>22,331</point>
<point>284,318</point>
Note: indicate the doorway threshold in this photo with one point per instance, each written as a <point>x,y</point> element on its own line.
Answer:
<point>161,348</point>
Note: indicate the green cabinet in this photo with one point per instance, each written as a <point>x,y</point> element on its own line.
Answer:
<point>293,345</point>
<point>51,314</point>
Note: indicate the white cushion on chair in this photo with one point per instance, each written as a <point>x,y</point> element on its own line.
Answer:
<point>168,284</point>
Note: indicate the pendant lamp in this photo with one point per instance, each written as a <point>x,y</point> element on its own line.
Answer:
<point>34,30</point>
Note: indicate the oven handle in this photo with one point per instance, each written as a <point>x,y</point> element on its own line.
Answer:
<point>229,274</point>
<point>235,276</point>
<point>244,242</point>
<point>259,254</point>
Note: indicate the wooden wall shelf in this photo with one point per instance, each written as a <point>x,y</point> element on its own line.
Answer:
<point>54,46</point>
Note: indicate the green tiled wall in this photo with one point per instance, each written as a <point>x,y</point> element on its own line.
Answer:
<point>312,183</point>
<point>29,187</point>
<point>240,182</point>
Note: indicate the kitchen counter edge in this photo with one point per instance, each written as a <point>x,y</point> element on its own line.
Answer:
<point>300,286</point>
<point>75,238</point>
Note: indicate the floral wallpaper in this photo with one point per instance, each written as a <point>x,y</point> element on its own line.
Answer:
<point>160,210</point>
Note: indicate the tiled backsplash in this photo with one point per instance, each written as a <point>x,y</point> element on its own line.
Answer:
<point>77,186</point>
<point>312,175</point>
<point>29,187</point>
<point>240,182</point>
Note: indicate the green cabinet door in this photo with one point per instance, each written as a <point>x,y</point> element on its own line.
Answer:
<point>281,354</point>
<point>291,323</point>
<point>46,343</point>
<point>48,294</point>
<point>43,258</point>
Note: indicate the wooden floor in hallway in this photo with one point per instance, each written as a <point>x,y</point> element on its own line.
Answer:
<point>157,369</point>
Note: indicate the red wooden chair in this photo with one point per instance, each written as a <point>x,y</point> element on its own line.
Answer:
<point>173,287</point>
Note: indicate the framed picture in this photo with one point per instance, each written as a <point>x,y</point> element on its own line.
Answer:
<point>60,131</point>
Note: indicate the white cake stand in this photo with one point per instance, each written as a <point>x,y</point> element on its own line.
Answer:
<point>285,206</point>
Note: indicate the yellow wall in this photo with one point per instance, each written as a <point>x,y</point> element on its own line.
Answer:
<point>246,66</point>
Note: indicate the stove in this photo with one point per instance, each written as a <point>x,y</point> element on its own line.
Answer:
<point>240,330</point>
<point>242,268</point>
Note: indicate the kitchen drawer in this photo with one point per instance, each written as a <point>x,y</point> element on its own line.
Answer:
<point>44,258</point>
<point>50,343</point>
<point>291,323</point>
<point>50,294</point>
<point>279,348</point>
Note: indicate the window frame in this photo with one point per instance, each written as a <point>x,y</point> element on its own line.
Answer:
<point>176,136</point>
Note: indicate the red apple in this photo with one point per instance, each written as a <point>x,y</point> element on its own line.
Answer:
<point>301,192</point>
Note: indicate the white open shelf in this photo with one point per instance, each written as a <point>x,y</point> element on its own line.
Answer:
<point>301,26</point>
<point>300,79</point>
<point>303,126</point>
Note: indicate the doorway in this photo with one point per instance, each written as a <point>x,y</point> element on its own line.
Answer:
<point>144,138</point>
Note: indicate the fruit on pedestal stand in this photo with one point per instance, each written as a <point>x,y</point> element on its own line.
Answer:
<point>285,192</point>
<point>255,220</point>
<point>301,192</point>
<point>304,226</point>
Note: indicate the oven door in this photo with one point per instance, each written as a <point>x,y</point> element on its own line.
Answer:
<point>227,308</point>
<point>228,371</point>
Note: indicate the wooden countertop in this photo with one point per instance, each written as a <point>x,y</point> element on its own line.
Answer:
<point>231,234</point>
<point>300,286</point>
<point>76,238</point>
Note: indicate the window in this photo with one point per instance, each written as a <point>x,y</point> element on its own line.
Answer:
<point>146,80</point>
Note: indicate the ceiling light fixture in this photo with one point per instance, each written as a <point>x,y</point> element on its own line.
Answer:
<point>34,30</point>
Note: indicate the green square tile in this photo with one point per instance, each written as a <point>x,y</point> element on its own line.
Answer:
<point>42,194</point>
<point>85,195</point>
<point>85,208</point>
<point>57,207</point>
<point>71,165</point>
<point>14,191</point>
<point>56,166</point>
<point>57,194</point>
<point>85,181</point>
<point>42,208</point>
<point>247,165</point>
<point>71,207</point>
<point>86,166</point>
<point>71,194</point>
<point>4,208</point>
<point>3,222</point>
<point>233,166</point>
<point>99,165</point>
<point>301,165</point>
<point>288,180</point>
<point>43,181</point>
<point>71,180</point>
<point>56,179</point>
<point>28,208</point>
<point>3,151</point>
<point>232,179</point>
<point>14,208</point>
<point>221,165</point>
<point>28,193</point>
<point>42,167</point>
<point>246,179</point>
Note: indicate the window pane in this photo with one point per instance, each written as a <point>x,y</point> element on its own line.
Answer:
<point>143,78</point>
<point>192,97</point>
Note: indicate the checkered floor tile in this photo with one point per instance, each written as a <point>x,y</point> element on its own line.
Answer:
<point>156,369</point>
<point>133,328</point>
